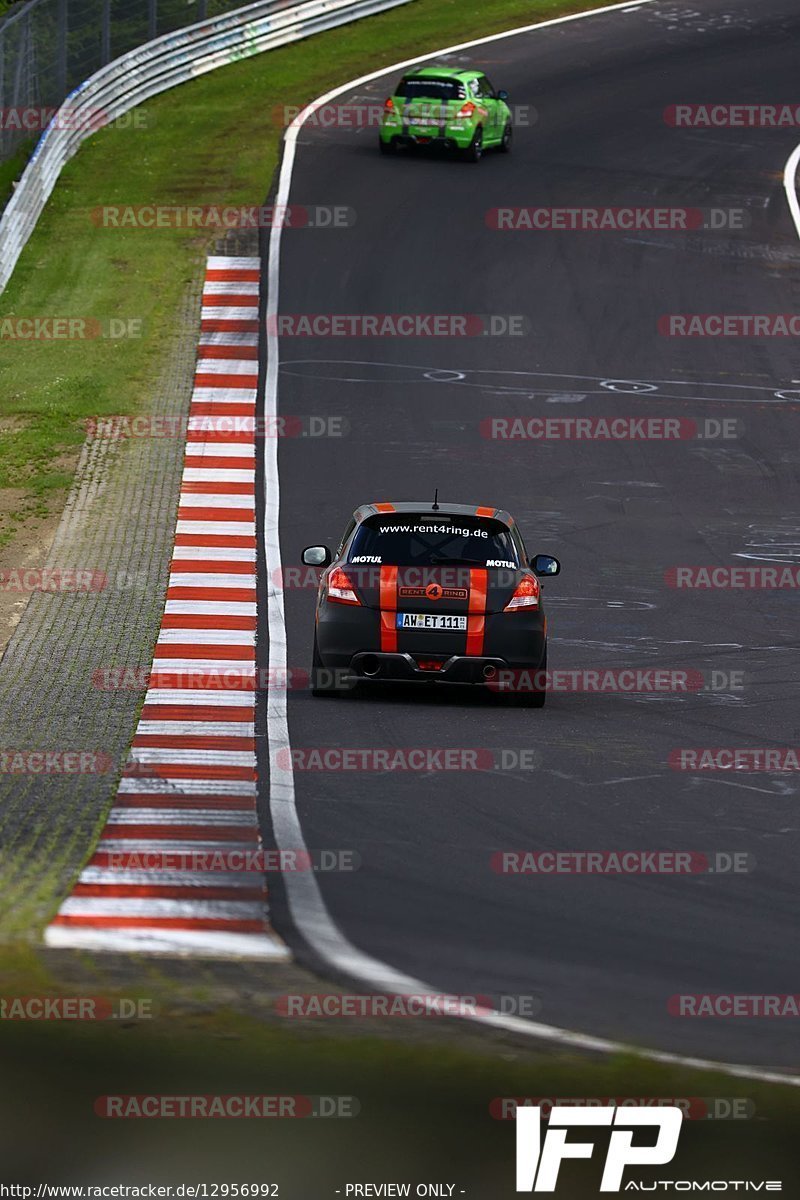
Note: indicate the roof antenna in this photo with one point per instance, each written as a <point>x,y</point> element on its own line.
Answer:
<point>436,501</point>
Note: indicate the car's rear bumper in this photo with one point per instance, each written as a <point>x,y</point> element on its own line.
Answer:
<point>459,669</point>
<point>349,640</point>
<point>450,139</point>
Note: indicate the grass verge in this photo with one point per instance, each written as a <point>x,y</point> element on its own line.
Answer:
<point>427,1106</point>
<point>213,141</point>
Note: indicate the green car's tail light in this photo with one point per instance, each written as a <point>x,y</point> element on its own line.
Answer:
<point>466,110</point>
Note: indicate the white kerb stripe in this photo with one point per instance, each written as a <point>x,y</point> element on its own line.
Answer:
<point>187,787</point>
<point>161,877</point>
<point>119,906</point>
<point>230,287</point>
<point>246,818</point>
<point>207,637</point>
<point>184,728</point>
<point>190,697</point>
<point>223,395</point>
<point>199,943</point>
<point>211,499</point>
<point>229,553</point>
<point>218,475</point>
<point>227,366</point>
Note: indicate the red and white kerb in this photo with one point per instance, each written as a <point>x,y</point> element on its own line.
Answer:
<point>189,784</point>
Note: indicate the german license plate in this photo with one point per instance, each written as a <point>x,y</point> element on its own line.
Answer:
<point>430,621</point>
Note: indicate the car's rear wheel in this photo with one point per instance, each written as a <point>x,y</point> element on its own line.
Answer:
<point>535,699</point>
<point>474,151</point>
<point>505,141</point>
<point>322,680</point>
<point>388,148</point>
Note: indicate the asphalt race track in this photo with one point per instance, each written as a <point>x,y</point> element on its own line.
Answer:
<point>602,955</point>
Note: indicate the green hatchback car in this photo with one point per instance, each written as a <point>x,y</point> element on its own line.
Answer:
<point>452,109</point>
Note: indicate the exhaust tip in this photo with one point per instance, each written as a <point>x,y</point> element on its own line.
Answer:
<point>370,665</point>
<point>489,671</point>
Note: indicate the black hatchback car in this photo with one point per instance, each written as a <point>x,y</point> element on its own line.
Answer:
<point>436,594</point>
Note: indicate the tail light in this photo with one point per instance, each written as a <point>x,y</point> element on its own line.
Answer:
<point>340,589</point>
<point>466,110</point>
<point>389,105</point>
<point>526,594</point>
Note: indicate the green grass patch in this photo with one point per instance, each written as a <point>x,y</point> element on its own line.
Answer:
<point>212,141</point>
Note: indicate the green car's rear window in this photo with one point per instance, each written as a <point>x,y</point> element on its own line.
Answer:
<point>416,88</point>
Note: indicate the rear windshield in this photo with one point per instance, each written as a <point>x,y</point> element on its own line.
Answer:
<point>430,89</point>
<point>431,539</point>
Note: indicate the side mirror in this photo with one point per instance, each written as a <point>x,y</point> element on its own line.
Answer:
<point>501,95</point>
<point>545,564</point>
<point>317,556</point>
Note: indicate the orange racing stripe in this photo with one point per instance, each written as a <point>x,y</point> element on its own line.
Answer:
<point>476,621</point>
<point>388,605</point>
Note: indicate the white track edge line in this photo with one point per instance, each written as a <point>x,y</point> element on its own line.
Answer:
<point>790,186</point>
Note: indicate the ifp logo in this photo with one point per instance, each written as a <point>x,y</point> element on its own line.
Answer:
<point>538,1164</point>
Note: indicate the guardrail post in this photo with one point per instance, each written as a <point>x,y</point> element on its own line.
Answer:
<point>19,74</point>
<point>152,19</point>
<point>105,36</point>
<point>63,30</point>
<point>3,89</point>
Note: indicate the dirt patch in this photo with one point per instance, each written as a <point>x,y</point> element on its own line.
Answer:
<point>27,552</point>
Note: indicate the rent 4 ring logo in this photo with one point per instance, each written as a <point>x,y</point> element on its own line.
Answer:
<point>539,1159</point>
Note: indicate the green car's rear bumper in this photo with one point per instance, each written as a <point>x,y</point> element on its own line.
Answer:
<point>451,135</point>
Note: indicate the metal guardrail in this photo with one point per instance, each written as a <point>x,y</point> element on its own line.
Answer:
<point>148,70</point>
<point>48,47</point>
